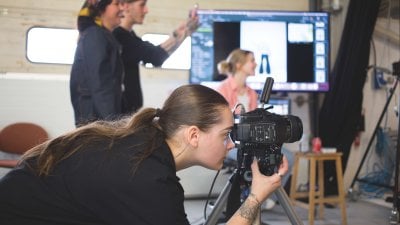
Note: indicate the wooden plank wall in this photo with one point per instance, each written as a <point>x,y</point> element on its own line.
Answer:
<point>17,16</point>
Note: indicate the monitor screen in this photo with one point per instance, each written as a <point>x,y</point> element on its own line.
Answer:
<point>279,105</point>
<point>291,47</point>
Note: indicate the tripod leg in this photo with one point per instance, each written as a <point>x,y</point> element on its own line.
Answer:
<point>280,193</point>
<point>219,205</point>
<point>287,206</point>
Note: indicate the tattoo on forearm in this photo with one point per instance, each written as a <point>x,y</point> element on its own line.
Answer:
<point>248,210</point>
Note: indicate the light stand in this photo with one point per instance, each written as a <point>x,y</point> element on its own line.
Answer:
<point>394,217</point>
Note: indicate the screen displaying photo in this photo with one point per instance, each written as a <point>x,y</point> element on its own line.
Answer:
<point>291,47</point>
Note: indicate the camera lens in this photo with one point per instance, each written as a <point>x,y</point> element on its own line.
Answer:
<point>296,129</point>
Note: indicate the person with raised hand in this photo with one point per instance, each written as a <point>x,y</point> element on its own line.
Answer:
<point>135,50</point>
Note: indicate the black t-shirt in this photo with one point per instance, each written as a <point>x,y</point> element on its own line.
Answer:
<point>97,186</point>
<point>134,51</point>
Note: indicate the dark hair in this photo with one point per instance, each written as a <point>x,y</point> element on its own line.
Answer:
<point>187,105</point>
<point>99,7</point>
<point>90,12</point>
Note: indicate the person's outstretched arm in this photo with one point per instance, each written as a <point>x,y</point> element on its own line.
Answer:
<point>184,30</point>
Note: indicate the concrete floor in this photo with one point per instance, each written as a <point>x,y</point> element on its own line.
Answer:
<point>359,212</point>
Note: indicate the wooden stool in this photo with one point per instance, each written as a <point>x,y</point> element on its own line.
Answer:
<point>317,197</point>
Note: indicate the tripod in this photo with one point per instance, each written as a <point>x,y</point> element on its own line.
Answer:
<point>222,198</point>
<point>212,219</point>
<point>394,217</point>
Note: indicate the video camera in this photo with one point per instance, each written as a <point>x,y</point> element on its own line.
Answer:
<point>261,134</point>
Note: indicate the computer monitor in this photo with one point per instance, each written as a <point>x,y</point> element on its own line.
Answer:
<point>280,105</point>
<point>291,47</point>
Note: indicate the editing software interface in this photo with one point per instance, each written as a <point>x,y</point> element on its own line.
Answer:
<point>291,47</point>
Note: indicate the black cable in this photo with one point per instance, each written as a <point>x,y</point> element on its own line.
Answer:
<point>209,194</point>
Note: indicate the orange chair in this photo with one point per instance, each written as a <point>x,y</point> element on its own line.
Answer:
<point>18,138</point>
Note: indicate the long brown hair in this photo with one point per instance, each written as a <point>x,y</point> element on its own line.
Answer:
<point>187,105</point>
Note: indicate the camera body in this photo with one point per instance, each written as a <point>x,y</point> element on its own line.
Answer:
<point>260,134</point>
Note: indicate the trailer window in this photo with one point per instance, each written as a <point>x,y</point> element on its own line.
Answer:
<point>51,45</point>
<point>57,46</point>
<point>180,59</point>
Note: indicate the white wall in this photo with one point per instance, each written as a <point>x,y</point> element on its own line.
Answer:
<point>38,98</point>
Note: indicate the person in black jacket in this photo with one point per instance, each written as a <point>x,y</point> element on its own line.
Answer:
<point>124,172</point>
<point>97,70</point>
<point>135,50</point>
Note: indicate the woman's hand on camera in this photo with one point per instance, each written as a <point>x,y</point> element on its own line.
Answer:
<point>284,167</point>
<point>262,186</point>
